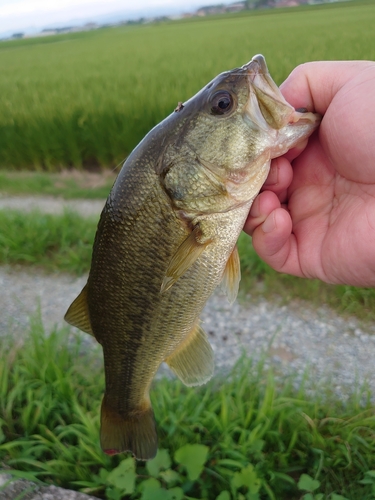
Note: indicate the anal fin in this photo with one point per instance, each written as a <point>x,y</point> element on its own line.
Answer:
<point>193,360</point>
<point>78,313</point>
<point>232,276</point>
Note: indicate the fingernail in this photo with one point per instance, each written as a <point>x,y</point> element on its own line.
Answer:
<point>273,176</point>
<point>269,224</point>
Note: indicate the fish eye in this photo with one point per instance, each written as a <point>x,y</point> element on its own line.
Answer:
<point>221,103</point>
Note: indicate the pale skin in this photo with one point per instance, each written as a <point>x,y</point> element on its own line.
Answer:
<point>315,216</point>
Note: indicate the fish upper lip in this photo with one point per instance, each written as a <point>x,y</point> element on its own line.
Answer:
<point>256,66</point>
<point>299,117</point>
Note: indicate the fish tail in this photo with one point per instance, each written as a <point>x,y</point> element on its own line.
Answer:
<point>136,434</point>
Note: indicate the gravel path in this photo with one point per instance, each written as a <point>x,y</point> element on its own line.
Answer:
<point>51,205</point>
<point>340,353</point>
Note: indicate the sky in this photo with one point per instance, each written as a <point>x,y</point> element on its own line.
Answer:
<point>34,15</point>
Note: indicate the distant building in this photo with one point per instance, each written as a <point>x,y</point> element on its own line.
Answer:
<point>220,8</point>
<point>211,10</point>
<point>287,3</point>
<point>235,7</point>
<point>91,26</point>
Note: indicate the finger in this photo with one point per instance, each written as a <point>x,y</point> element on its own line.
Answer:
<point>296,151</point>
<point>275,244</point>
<point>314,85</point>
<point>263,205</point>
<point>279,178</point>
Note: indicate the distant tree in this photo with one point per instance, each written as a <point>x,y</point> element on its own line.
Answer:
<point>18,35</point>
<point>263,4</point>
<point>250,4</point>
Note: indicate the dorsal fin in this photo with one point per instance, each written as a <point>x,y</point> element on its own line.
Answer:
<point>78,313</point>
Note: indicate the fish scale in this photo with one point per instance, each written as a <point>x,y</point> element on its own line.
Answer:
<point>167,238</point>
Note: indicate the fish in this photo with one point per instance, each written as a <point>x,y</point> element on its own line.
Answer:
<point>166,239</point>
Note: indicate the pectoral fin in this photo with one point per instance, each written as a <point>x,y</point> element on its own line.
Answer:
<point>232,276</point>
<point>78,313</point>
<point>193,360</point>
<point>187,253</point>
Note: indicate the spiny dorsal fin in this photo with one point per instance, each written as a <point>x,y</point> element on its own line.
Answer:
<point>78,313</point>
<point>232,276</point>
<point>193,360</point>
<point>187,253</point>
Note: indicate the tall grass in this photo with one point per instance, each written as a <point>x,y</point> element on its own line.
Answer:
<point>253,423</point>
<point>88,99</point>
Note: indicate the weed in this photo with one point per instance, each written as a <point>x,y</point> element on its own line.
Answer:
<point>250,436</point>
<point>53,242</point>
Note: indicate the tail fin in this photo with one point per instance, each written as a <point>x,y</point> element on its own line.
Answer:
<point>136,434</point>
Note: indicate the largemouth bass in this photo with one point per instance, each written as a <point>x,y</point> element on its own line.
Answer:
<point>167,238</point>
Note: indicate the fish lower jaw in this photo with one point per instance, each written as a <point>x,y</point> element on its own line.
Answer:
<point>295,133</point>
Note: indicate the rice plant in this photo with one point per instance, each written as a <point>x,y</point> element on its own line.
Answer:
<point>86,100</point>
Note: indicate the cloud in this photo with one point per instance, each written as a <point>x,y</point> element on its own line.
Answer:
<point>22,15</point>
<point>39,13</point>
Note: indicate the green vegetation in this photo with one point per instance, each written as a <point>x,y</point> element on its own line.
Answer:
<point>243,440</point>
<point>64,243</point>
<point>61,243</point>
<point>67,184</point>
<point>87,99</point>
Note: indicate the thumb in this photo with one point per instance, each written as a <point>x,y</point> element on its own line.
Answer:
<point>314,85</point>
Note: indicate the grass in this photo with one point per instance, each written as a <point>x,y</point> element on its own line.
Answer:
<point>64,243</point>
<point>249,433</point>
<point>87,99</point>
<point>67,184</point>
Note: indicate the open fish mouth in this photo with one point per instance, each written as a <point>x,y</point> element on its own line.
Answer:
<point>267,107</point>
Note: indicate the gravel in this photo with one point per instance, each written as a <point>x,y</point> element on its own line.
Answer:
<point>26,490</point>
<point>51,205</point>
<point>293,337</point>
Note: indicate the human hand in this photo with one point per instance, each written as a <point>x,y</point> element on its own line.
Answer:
<point>315,216</point>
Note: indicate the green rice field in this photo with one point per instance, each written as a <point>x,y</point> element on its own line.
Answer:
<point>86,99</point>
